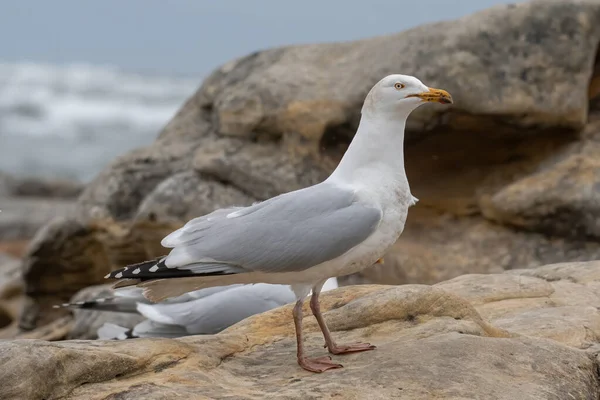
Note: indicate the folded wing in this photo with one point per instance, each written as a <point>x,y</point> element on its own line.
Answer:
<point>287,233</point>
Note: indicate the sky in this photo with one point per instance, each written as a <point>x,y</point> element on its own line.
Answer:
<point>191,37</point>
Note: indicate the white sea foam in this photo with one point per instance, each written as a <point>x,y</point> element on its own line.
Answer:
<point>71,120</point>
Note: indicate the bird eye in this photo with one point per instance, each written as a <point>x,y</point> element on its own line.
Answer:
<point>399,86</point>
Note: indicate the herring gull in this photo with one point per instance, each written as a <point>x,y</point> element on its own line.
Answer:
<point>301,238</point>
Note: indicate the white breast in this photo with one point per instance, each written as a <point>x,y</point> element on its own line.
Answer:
<point>374,248</point>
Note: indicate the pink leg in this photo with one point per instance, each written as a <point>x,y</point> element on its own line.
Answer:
<point>320,364</point>
<point>329,342</point>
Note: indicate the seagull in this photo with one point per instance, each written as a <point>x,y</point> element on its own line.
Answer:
<point>201,312</point>
<point>302,238</point>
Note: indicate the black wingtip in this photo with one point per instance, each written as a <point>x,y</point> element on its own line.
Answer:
<point>157,269</point>
<point>149,270</point>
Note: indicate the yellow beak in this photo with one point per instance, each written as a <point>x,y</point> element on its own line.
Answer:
<point>435,96</point>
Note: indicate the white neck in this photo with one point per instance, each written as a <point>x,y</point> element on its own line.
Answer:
<point>378,146</point>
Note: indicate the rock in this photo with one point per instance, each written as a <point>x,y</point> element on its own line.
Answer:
<point>438,246</point>
<point>27,204</point>
<point>36,187</point>
<point>486,170</point>
<point>6,258</point>
<point>560,198</point>
<point>173,200</point>
<point>11,295</point>
<point>308,89</point>
<point>499,336</point>
<point>58,329</point>
<point>84,260</point>
<point>11,186</point>
<point>14,248</point>
<point>86,322</point>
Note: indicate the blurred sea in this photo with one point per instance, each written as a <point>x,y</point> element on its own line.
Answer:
<point>70,121</point>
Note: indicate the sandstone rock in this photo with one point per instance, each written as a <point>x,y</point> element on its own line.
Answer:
<point>500,336</point>
<point>173,200</point>
<point>11,294</point>
<point>14,248</point>
<point>58,329</point>
<point>35,187</point>
<point>437,246</point>
<point>292,89</point>
<point>72,260</point>
<point>560,198</point>
<point>29,203</point>
<point>11,186</point>
<point>280,119</point>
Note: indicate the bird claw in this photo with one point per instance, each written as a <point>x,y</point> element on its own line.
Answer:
<point>320,364</point>
<point>351,348</point>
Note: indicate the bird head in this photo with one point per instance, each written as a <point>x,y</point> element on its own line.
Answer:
<point>396,93</point>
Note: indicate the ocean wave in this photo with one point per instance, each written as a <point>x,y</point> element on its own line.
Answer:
<point>69,121</point>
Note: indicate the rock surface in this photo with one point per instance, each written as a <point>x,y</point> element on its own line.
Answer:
<point>36,187</point>
<point>11,295</point>
<point>490,172</point>
<point>525,334</point>
<point>27,204</point>
<point>59,188</point>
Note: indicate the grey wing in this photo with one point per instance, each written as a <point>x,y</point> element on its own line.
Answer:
<point>287,233</point>
<point>291,232</point>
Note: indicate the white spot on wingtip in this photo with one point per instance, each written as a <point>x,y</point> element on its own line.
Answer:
<point>106,276</point>
<point>101,300</point>
<point>119,275</point>
<point>136,271</point>
<point>154,269</point>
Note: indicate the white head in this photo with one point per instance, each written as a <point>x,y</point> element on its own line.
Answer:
<point>401,94</point>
